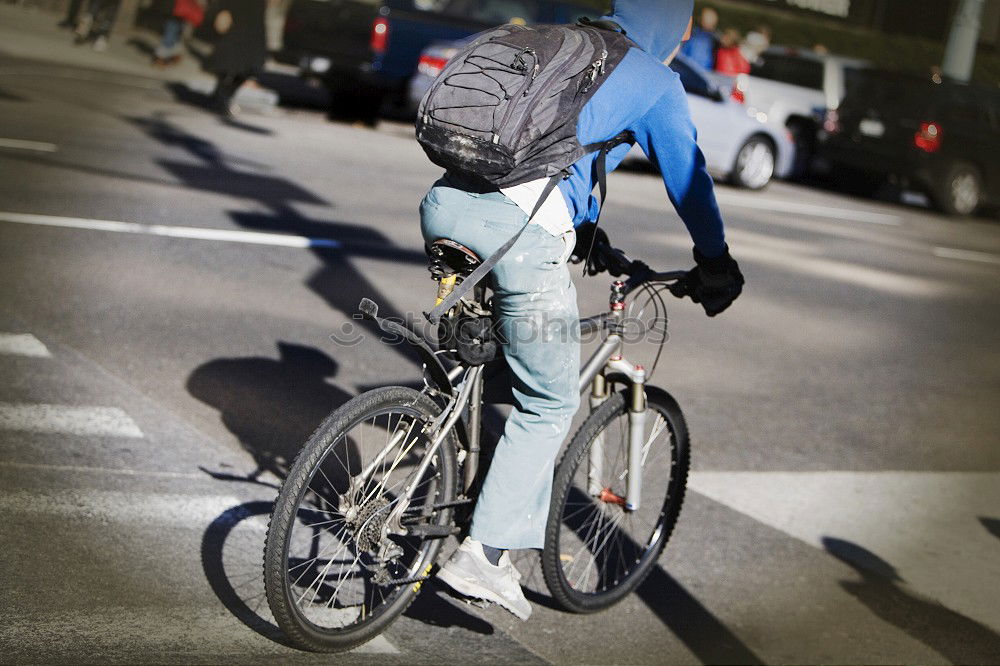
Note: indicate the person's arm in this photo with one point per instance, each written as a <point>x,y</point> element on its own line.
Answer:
<point>667,136</point>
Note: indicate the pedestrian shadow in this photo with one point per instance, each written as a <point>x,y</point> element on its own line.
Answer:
<point>992,525</point>
<point>956,637</point>
<point>10,97</point>
<point>271,405</point>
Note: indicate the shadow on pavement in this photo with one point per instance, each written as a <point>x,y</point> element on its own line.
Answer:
<point>956,637</point>
<point>271,406</point>
<point>992,526</point>
<point>686,617</point>
<point>239,587</point>
<point>10,97</point>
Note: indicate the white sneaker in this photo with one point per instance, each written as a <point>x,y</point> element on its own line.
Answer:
<point>470,573</point>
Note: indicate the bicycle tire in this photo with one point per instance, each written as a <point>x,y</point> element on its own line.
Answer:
<point>300,630</point>
<point>562,522</point>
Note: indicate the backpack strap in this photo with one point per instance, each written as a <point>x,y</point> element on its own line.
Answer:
<point>476,276</point>
<point>602,24</point>
<point>601,171</point>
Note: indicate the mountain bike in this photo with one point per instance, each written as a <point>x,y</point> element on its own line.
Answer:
<point>362,515</point>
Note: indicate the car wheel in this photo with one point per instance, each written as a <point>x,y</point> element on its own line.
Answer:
<point>961,191</point>
<point>754,165</point>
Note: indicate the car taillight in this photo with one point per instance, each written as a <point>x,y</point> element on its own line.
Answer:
<point>928,139</point>
<point>739,91</point>
<point>431,65</point>
<point>380,35</point>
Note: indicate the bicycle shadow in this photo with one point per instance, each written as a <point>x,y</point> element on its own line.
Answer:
<point>231,551</point>
<point>679,610</point>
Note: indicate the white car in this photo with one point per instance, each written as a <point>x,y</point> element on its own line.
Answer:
<point>737,144</point>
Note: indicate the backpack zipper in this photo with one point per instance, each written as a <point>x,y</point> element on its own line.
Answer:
<point>555,76</point>
<point>523,90</point>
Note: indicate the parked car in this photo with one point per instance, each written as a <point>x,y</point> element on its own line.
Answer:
<point>942,138</point>
<point>792,88</point>
<point>365,51</point>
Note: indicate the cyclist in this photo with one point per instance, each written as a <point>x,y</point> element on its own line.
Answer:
<point>534,297</point>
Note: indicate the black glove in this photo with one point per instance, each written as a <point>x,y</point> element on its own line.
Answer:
<point>714,283</point>
<point>592,241</point>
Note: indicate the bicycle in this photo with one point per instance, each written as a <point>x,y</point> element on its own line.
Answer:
<point>361,517</point>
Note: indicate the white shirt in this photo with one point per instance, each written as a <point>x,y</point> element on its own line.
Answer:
<point>553,216</point>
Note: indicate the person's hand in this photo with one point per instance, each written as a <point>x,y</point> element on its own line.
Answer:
<point>589,241</point>
<point>714,283</point>
<point>592,241</point>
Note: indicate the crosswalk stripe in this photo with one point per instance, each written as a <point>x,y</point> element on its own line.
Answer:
<point>23,344</point>
<point>141,632</point>
<point>967,255</point>
<point>115,506</point>
<point>926,525</point>
<point>68,420</point>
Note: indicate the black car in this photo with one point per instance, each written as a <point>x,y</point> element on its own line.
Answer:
<point>942,138</point>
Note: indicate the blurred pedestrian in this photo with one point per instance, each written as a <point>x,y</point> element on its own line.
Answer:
<point>704,41</point>
<point>755,43</point>
<point>185,12</point>
<point>72,14</point>
<point>729,60</point>
<point>96,23</point>
<point>240,48</point>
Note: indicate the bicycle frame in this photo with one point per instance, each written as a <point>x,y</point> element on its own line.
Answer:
<point>464,390</point>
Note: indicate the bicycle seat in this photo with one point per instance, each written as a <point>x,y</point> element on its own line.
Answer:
<point>449,257</point>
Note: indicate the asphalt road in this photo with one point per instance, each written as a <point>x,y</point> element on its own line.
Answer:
<point>168,287</point>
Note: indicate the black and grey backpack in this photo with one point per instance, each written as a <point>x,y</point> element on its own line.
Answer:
<point>504,110</point>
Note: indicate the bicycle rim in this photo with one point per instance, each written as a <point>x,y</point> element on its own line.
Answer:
<point>600,550</point>
<point>342,576</point>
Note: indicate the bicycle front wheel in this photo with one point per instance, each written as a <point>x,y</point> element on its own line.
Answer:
<point>597,551</point>
<point>337,571</point>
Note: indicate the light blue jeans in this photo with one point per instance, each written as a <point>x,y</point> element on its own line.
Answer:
<point>535,304</point>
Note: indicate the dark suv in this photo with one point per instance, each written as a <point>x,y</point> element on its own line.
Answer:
<point>943,138</point>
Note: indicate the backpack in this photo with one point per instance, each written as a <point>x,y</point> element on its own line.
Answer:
<point>504,112</point>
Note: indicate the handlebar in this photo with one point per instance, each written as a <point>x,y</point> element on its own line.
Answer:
<point>639,273</point>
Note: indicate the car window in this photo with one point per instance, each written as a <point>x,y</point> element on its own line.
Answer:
<point>853,77</point>
<point>693,82</point>
<point>789,69</point>
<point>494,11</point>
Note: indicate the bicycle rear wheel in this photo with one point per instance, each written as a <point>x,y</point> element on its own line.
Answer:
<point>334,574</point>
<point>596,552</point>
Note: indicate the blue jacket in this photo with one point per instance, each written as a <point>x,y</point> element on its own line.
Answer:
<point>645,97</point>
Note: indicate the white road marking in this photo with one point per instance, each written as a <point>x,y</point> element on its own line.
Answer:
<point>23,344</point>
<point>135,633</point>
<point>195,233</point>
<point>925,524</point>
<point>116,506</point>
<point>37,146</point>
<point>967,255</point>
<point>814,210</point>
<point>68,420</point>
<point>828,269</point>
<point>76,469</point>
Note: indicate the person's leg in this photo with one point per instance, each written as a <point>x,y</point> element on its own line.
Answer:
<point>168,45</point>
<point>72,14</point>
<point>535,302</point>
<point>104,17</point>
